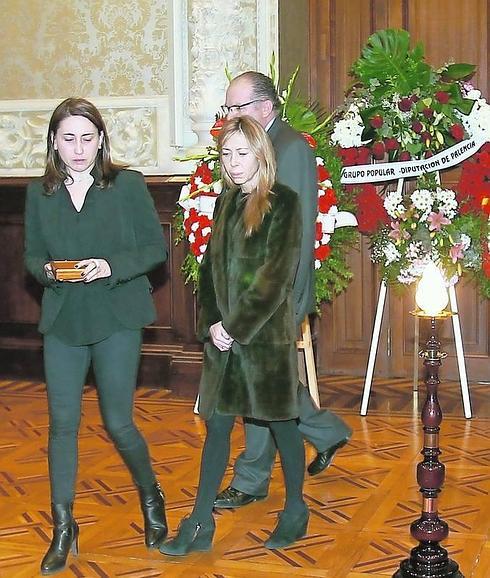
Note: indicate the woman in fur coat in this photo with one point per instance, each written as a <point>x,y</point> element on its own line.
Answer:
<point>247,323</point>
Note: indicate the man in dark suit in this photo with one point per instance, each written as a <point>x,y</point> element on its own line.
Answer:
<point>254,94</point>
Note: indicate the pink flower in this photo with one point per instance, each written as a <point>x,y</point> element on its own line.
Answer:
<point>397,233</point>
<point>456,252</point>
<point>436,220</point>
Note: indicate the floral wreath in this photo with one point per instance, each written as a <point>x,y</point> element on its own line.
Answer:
<point>335,232</point>
<point>402,111</point>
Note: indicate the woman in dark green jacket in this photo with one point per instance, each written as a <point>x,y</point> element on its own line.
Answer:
<point>87,209</point>
<point>247,323</point>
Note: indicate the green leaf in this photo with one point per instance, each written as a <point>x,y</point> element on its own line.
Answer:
<point>414,148</point>
<point>459,71</point>
<point>388,58</point>
<point>301,117</point>
<point>465,105</point>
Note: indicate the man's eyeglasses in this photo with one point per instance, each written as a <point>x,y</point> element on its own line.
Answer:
<point>238,107</point>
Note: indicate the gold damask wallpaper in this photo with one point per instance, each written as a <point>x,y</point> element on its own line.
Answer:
<point>59,48</point>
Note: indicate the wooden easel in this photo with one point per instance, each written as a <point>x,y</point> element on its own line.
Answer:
<point>306,345</point>
<point>465,394</point>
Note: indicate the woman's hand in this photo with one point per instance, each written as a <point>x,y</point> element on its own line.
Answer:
<point>94,269</point>
<point>220,337</point>
<point>48,269</point>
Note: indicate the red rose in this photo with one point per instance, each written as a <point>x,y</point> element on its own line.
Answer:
<point>191,219</point>
<point>425,138</point>
<point>363,155</point>
<point>457,132</point>
<point>414,98</point>
<point>348,156</point>
<point>405,104</point>
<point>309,139</point>
<point>442,96</point>
<point>417,126</point>
<point>405,156</point>
<point>378,150</point>
<point>428,154</point>
<point>354,156</point>
<point>204,172</point>
<point>322,173</point>
<point>318,231</point>
<point>326,201</point>
<point>428,112</point>
<point>376,121</point>
<point>322,252</point>
<point>391,144</point>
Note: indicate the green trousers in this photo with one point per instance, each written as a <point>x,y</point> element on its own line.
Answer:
<point>115,362</point>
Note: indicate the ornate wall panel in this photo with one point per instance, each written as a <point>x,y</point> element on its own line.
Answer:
<point>173,52</point>
<point>138,128</point>
<point>96,48</point>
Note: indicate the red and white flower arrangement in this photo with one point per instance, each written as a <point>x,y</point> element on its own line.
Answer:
<point>197,198</point>
<point>335,231</point>
<point>400,109</point>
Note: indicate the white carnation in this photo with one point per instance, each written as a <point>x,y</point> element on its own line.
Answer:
<point>348,130</point>
<point>465,241</point>
<point>393,204</point>
<point>391,253</point>
<point>477,123</point>
<point>447,202</point>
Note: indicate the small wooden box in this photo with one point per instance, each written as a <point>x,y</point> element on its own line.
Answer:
<point>66,270</point>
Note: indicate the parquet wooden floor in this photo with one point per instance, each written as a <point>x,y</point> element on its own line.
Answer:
<point>361,507</point>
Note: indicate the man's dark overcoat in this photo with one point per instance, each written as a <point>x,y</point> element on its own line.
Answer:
<point>247,284</point>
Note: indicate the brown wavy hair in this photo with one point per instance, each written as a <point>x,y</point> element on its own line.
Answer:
<point>257,204</point>
<point>56,173</point>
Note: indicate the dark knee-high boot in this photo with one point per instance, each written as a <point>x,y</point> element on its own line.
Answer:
<point>153,508</point>
<point>65,538</point>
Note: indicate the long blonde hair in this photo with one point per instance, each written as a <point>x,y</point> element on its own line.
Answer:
<point>257,204</point>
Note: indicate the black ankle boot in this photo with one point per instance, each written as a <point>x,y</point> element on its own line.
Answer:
<point>153,508</point>
<point>192,536</point>
<point>290,527</point>
<point>65,538</point>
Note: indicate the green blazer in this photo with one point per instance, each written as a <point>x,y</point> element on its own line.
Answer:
<point>246,282</point>
<point>129,238</point>
<point>296,168</point>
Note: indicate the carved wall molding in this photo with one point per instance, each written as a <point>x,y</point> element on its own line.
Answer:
<point>227,35</point>
<point>138,128</point>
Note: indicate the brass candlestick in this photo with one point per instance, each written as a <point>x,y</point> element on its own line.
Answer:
<point>429,559</point>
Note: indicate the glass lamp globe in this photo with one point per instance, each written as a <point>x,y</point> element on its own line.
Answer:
<point>431,295</point>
